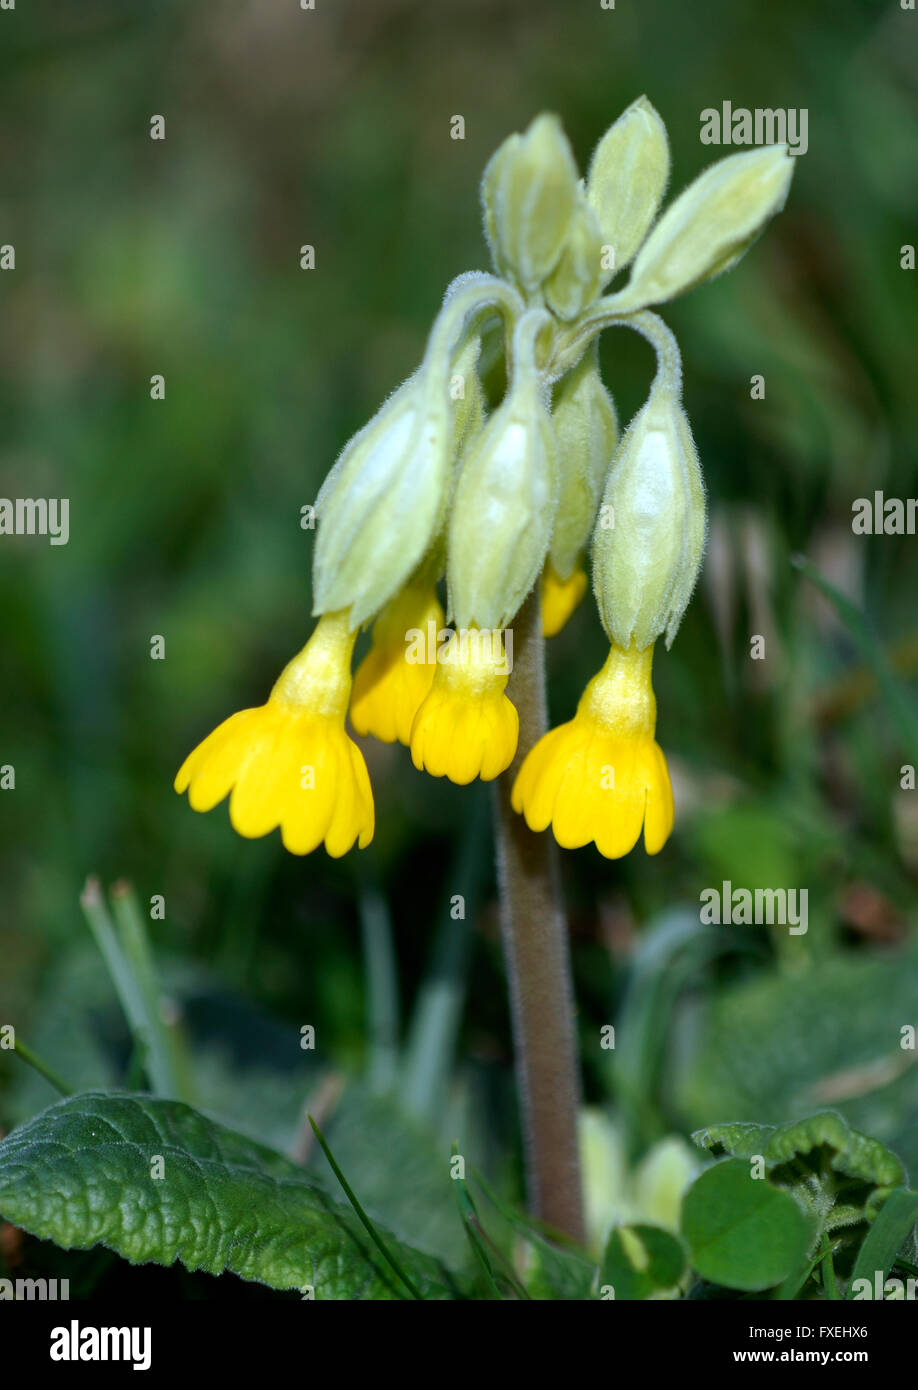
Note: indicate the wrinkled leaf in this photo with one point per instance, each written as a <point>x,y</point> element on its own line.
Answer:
<point>82,1174</point>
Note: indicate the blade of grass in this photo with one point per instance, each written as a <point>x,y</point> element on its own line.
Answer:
<point>482,1243</point>
<point>881,1243</point>
<point>35,1062</point>
<point>361,1214</point>
<point>164,1058</point>
<point>122,977</point>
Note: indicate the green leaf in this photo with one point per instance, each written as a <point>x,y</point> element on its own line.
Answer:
<point>881,1244</point>
<point>742,1232</point>
<point>639,1261</point>
<point>80,1174</point>
<point>740,1139</point>
<point>852,1154</point>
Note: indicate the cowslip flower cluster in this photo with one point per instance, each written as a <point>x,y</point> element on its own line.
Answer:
<point>496,467</point>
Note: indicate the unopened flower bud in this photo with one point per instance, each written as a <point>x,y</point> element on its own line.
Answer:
<point>529,193</point>
<point>505,500</point>
<point>710,225</point>
<point>649,534</point>
<point>627,178</point>
<point>574,283</point>
<point>491,190</point>
<point>380,506</point>
<point>586,429</point>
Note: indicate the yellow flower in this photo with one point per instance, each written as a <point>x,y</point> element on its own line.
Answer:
<point>466,727</point>
<point>397,672</point>
<point>289,763</point>
<point>602,776</point>
<point>560,597</point>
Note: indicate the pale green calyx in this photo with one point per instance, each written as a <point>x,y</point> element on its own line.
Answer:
<point>586,428</point>
<point>529,192</point>
<point>378,508</point>
<point>628,176</point>
<point>649,534</point>
<point>502,512</point>
<point>710,225</point>
<point>576,279</point>
<point>382,504</point>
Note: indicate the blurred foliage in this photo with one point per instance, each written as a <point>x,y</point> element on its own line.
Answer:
<point>181,257</point>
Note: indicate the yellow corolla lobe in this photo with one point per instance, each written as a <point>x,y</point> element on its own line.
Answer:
<point>466,727</point>
<point>398,671</point>
<point>602,776</point>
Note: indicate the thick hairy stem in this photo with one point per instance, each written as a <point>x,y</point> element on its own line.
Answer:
<point>538,963</point>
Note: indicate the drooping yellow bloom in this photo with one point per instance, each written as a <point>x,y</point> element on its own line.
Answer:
<point>560,597</point>
<point>289,763</point>
<point>398,670</point>
<point>602,776</point>
<point>466,727</point>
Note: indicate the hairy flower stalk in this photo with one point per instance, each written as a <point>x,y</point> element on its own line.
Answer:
<point>495,491</point>
<point>534,934</point>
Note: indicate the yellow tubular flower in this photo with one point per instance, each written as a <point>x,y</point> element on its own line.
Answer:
<point>602,776</point>
<point>289,763</point>
<point>560,597</point>
<point>466,727</point>
<point>398,670</point>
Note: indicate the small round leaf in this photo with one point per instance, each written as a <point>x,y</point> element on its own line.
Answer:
<point>742,1232</point>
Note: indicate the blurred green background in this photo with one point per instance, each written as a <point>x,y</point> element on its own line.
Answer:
<point>181,257</point>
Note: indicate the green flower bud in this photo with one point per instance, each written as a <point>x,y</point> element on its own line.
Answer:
<point>505,500</point>
<point>649,535</point>
<point>709,226</point>
<point>530,191</point>
<point>380,506</point>
<point>491,183</point>
<point>574,283</point>
<point>586,429</point>
<point>628,175</point>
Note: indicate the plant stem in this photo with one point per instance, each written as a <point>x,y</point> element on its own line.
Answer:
<point>538,963</point>
<point>830,1287</point>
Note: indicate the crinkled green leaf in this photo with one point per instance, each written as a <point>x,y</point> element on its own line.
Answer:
<point>81,1174</point>
<point>639,1261</point>
<point>741,1139</point>
<point>852,1154</point>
